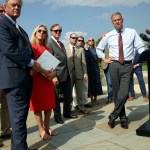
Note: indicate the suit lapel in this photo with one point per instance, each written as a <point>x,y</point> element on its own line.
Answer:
<point>22,31</point>
<point>77,50</point>
<point>24,35</point>
<point>58,47</point>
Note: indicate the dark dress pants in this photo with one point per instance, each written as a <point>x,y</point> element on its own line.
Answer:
<point>139,74</point>
<point>120,78</point>
<point>65,87</point>
<point>18,105</point>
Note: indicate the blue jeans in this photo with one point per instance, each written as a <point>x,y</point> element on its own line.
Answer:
<point>139,74</point>
<point>109,86</point>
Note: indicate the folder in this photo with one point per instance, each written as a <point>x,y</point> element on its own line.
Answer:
<point>48,61</point>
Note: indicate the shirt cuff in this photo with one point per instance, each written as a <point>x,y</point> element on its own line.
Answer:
<point>31,63</point>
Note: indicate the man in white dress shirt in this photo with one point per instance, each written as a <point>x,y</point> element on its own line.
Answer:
<point>120,67</point>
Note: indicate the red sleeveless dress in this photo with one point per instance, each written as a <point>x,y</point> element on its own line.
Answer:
<point>43,96</point>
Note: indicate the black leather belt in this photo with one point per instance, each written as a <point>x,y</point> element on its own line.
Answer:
<point>125,62</point>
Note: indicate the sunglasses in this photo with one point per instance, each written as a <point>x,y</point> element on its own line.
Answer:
<point>91,40</point>
<point>80,40</point>
<point>57,31</point>
<point>2,11</point>
<point>74,38</point>
<point>41,31</point>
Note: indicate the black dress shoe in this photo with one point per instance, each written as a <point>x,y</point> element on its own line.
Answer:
<point>71,116</point>
<point>124,124</point>
<point>1,144</point>
<point>6,136</point>
<point>77,107</point>
<point>88,105</point>
<point>111,123</point>
<point>59,120</point>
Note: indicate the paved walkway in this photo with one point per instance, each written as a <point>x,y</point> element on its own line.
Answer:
<point>91,132</point>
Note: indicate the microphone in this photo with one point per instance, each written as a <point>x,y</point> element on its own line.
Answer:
<point>144,37</point>
<point>147,31</point>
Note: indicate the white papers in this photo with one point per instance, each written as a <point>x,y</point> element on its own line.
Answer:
<point>48,61</point>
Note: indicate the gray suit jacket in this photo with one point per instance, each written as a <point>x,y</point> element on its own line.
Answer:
<point>62,68</point>
<point>79,60</point>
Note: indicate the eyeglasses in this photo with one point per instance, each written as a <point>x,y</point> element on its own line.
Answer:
<point>80,40</point>
<point>90,40</point>
<point>74,38</point>
<point>41,31</point>
<point>57,31</point>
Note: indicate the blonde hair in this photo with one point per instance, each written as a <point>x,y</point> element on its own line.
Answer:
<point>33,38</point>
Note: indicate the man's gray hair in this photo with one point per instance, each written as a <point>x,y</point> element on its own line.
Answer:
<point>116,13</point>
<point>6,1</point>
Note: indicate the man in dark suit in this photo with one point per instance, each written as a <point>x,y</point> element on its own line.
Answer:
<point>16,61</point>
<point>62,81</point>
<point>5,131</point>
<point>3,103</point>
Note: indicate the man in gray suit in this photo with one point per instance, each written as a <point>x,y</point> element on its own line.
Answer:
<point>62,80</point>
<point>77,70</point>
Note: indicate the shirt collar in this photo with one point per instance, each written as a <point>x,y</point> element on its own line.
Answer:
<point>54,39</point>
<point>71,46</point>
<point>120,31</point>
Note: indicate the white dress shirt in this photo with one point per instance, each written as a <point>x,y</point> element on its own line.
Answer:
<point>71,48</point>
<point>131,42</point>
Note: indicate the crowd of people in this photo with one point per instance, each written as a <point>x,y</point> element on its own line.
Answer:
<point>25,84</point>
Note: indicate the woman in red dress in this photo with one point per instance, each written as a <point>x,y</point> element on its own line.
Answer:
<point>43,97</point>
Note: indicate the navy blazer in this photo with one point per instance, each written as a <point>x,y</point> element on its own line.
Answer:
<point>15,55</point>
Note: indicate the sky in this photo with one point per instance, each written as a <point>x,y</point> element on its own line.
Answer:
<point>85,17</point>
